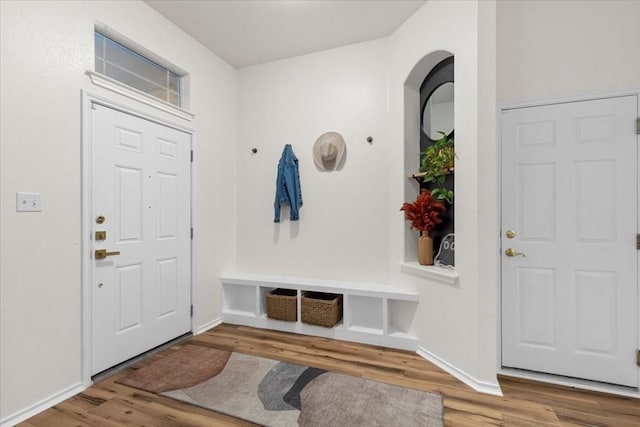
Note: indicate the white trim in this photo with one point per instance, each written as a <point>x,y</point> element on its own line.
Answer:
<point>540,102</point>
<point>435,273</point>
<point>137,95</point>
<point>477,385</point>
<point>43,405</point>
<point>108,102</point>
<point>89,98</point>
<point>376,290</point>
<point>638,231</point>
<point>209,325</point>
<point>85,244</point>
<point>398,340</point>
<point>499,237</point>
<point>571,382</point>
<point>194,240</point>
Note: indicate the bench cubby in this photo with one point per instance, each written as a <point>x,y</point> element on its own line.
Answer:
<point>374,313</point>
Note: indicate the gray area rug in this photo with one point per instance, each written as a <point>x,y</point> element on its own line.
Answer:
<point>280,394</point>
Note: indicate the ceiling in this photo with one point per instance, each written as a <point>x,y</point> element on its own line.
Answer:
<point>250,32</point>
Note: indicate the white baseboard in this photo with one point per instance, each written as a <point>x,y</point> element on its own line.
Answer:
<point>44,404</point>
<point>480,386</point>
<point>204,328</point>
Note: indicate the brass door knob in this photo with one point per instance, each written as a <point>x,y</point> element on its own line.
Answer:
<point>102,253</point>
<point>510,234</point>
<point>513,252</point>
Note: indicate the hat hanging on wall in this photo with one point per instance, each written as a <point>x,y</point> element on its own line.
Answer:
<point>328,151</point>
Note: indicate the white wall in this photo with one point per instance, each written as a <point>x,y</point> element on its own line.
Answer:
<point>45,49</point>
<point>343,228</point>
<point>456,324</point>
<point>350,226</point>
<point>549,50</point>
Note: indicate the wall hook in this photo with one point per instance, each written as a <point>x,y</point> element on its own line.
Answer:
<point>254,150</point>
<point>370,139</point>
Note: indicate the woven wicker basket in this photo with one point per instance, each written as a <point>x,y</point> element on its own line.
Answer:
<point>321,309</point>
<point>282,304</point>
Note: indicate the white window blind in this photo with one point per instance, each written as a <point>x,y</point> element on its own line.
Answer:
<point>120,63</point>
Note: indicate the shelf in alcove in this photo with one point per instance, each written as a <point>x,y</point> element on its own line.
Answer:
<point>422,174</point>
<point>444,275</point>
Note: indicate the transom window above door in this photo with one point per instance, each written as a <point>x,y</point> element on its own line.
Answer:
<point>123,64</point>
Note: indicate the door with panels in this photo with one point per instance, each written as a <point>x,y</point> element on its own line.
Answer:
<point>141,231</point>
<point>569,226</point>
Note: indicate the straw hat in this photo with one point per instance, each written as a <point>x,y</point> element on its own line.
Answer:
<point>328,151</point>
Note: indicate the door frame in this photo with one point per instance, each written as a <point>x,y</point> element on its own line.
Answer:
<point>88,98</point>
<point>540,376</point>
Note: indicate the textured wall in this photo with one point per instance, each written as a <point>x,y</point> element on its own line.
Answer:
<point>450,321</point>
<point>350,226</point>
<point>549,50</point>
<point>343,230</point>
<point>45,49</point>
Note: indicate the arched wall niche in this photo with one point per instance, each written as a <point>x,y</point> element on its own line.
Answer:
<point>412,123</point>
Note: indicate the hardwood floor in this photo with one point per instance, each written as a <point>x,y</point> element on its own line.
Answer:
<point>525,403</point>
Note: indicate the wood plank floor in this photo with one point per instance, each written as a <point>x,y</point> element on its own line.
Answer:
<point>525,403</point>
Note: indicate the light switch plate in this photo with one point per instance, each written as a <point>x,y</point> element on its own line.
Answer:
<point>28,202</point>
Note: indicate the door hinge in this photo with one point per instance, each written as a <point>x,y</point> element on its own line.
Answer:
<point>638,125</point>
<point>638,357</point>
<point>191,156</point>
<point>638,241</point>
<point>191,310</point>
<point>192,233</point>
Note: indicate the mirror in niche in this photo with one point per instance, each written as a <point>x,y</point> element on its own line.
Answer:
<point>438,113</point>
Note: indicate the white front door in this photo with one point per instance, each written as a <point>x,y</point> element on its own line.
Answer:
<point>140,200</point>
<point>569,222</point>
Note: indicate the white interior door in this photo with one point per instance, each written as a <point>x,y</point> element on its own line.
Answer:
<point>569,195</point>
<point>141,291</point>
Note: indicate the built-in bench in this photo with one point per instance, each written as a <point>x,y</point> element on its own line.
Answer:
<point>374,313</point>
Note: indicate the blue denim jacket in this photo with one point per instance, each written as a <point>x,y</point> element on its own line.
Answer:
<point>288,184</point>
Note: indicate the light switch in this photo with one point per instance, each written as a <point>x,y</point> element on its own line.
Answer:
<point>28,202</point>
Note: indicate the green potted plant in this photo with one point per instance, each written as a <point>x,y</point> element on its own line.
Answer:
<point>438,160</point>
<point>425,215</point>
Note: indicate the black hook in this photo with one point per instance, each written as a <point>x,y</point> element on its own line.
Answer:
<point>370,139</point>
<point>254,150</point>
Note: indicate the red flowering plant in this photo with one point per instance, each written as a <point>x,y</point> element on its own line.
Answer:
<point>425,213</point>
